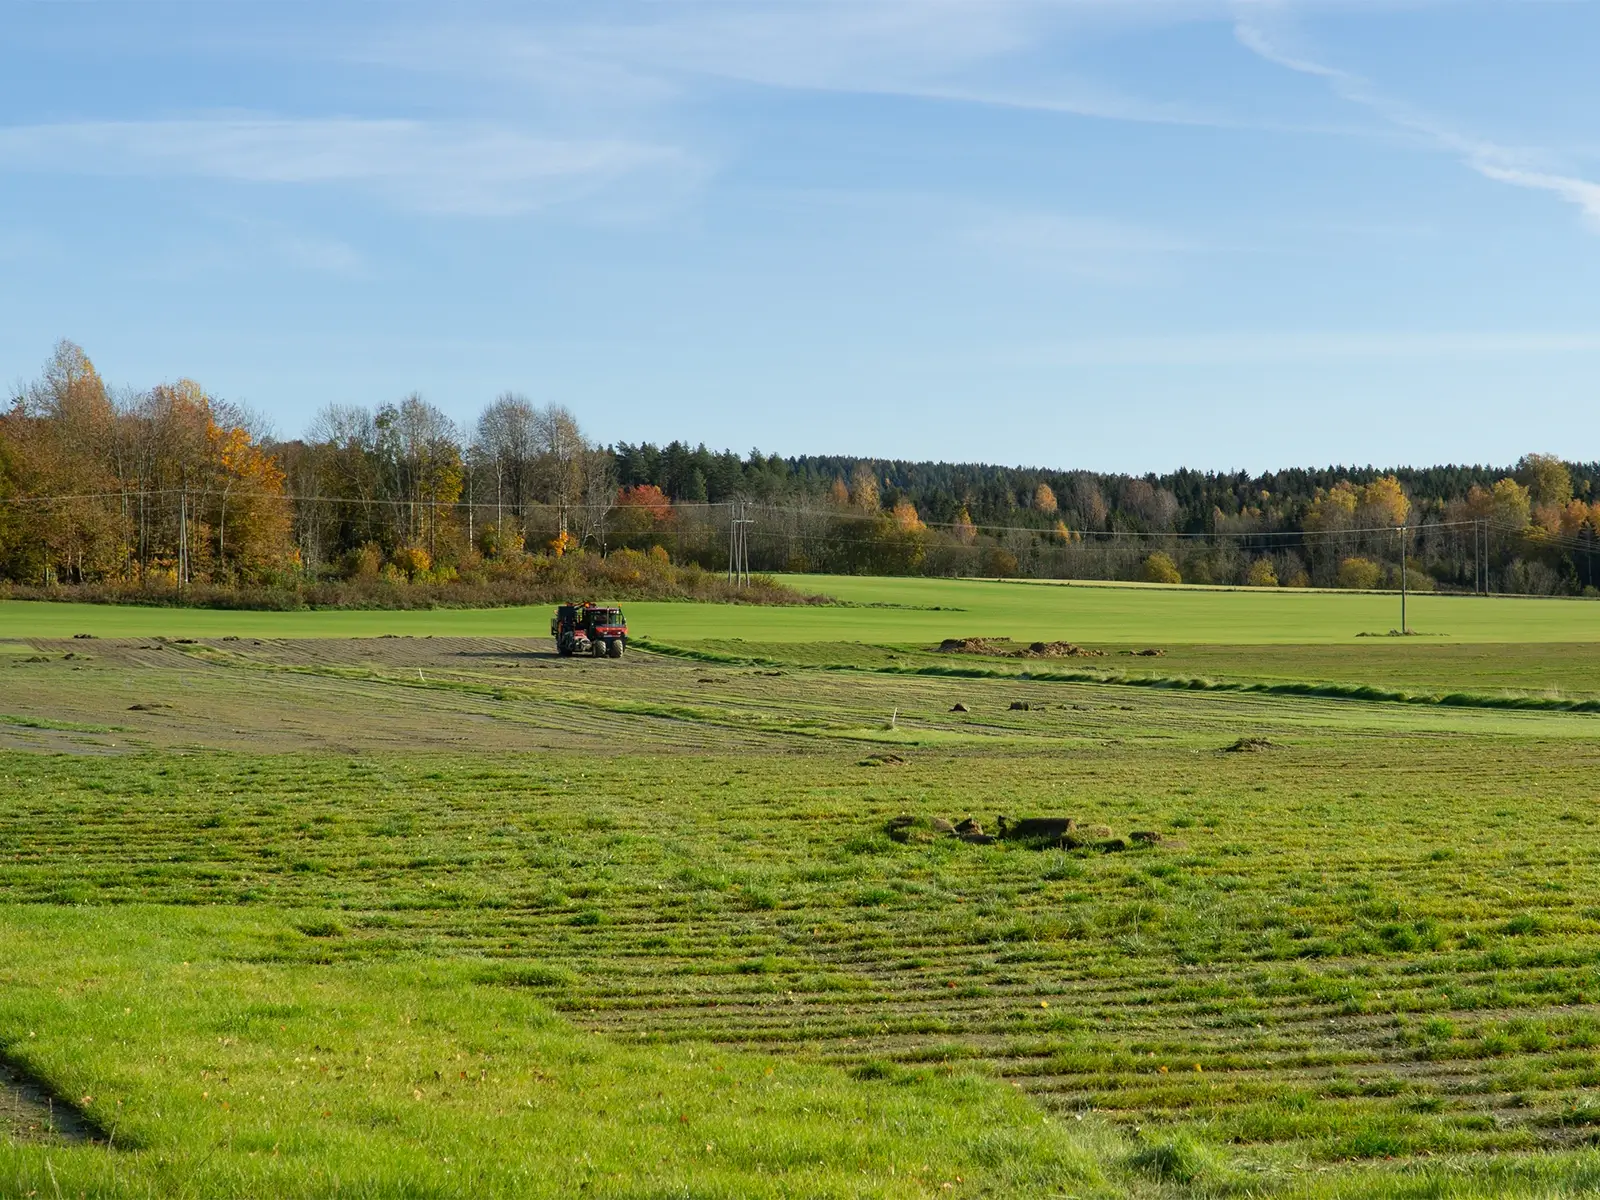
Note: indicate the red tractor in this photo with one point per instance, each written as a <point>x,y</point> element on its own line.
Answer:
<point>589,629</point>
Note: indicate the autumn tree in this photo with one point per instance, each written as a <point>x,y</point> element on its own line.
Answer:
<point>640,511</point>
<point>1334,508</point>
<point>1261,574</point>
<point>1507,504</point>
<point>62,432</point>
<point>1044,499</point>
<point>1359,573</point>
<point>1547,478</point>
<point>906,518</point>
<point>420,445</point>
<point>1383,504</point>
<point>864,488</point>
<point>1159,568</point>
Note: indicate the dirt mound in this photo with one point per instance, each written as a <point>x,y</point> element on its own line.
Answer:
<point>1150,652</point>
<point>882,760</point>
<point>1006,648</point>
<point>909,829</point>
<point>1250,745</point>
<point>1034,828</point>
<point>1034,833</point>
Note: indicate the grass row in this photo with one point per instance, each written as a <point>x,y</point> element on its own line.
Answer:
<point>1356,973</point>
<point>1303,688</point>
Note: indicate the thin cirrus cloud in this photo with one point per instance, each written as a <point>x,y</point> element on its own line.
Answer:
<point>1503,164</point>
<point>1258,349</point>
<point>439,167</point>
<point>954,51</point>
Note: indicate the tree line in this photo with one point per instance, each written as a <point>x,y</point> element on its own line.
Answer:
<point>172,488</point>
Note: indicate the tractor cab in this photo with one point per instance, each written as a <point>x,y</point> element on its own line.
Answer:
<point>592,629</point>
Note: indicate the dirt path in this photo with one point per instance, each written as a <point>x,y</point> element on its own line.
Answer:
<point>30,1113</point>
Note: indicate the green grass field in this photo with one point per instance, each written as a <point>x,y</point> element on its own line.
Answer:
<point>442,914</point>
<point>925,610</point>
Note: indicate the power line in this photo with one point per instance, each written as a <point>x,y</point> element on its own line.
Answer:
<point>1536,534</point>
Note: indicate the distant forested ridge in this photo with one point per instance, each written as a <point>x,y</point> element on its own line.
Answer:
<point>171,488</point>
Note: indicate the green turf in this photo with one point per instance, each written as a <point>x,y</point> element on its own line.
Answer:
<point>560,955</point>
<point>266,974</point>
<point>244,1053</point>
<point>932,609</point>
<point>1550,674</point>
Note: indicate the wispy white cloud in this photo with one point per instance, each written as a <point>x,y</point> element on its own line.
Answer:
<point>1263,348</point>
<point>993,53</point>
<point>1517,166</point>
<point>458,167</point>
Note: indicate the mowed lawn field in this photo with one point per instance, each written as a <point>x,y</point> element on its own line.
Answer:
<point>317,913</point>
<point>912,611</point>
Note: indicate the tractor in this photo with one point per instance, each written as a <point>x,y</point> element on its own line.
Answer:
<point>589,629</point>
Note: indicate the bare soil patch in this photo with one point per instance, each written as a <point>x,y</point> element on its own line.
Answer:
<point>30,1112</point>
<point>1006,648</point>
<point>1250,745</point>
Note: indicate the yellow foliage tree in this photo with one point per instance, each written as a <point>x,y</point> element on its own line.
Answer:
<point>1333,508</point>
<point>1159,568</point>
<point>1547,479</point>
<point>864,488</point>
<point>1361,574</point>
<point>1384,502</point>
<point>906,519</point>
<point>1261,574</point>
<point>964,531</point>
<point>1510,504</point>
<point>1044,499</point>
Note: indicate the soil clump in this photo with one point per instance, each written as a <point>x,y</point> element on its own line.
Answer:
<point>1006,648</point>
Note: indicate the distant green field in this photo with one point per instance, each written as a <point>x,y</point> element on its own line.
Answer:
<point>928,610</point>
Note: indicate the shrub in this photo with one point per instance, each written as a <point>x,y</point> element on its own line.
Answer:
<point>413,560</point>
<point>1416,581</point>
<point>1000,563</point>
<point>1159,568</point>
<point>363,563</point>
<point>1359,573</point>
<point>1261,574</point>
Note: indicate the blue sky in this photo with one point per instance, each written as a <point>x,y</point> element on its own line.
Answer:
<point>1128,235</point>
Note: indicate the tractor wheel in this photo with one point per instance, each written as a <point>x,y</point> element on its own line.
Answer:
<point>564,647</point>
<point>597,648</point>
<point>614,648</point>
